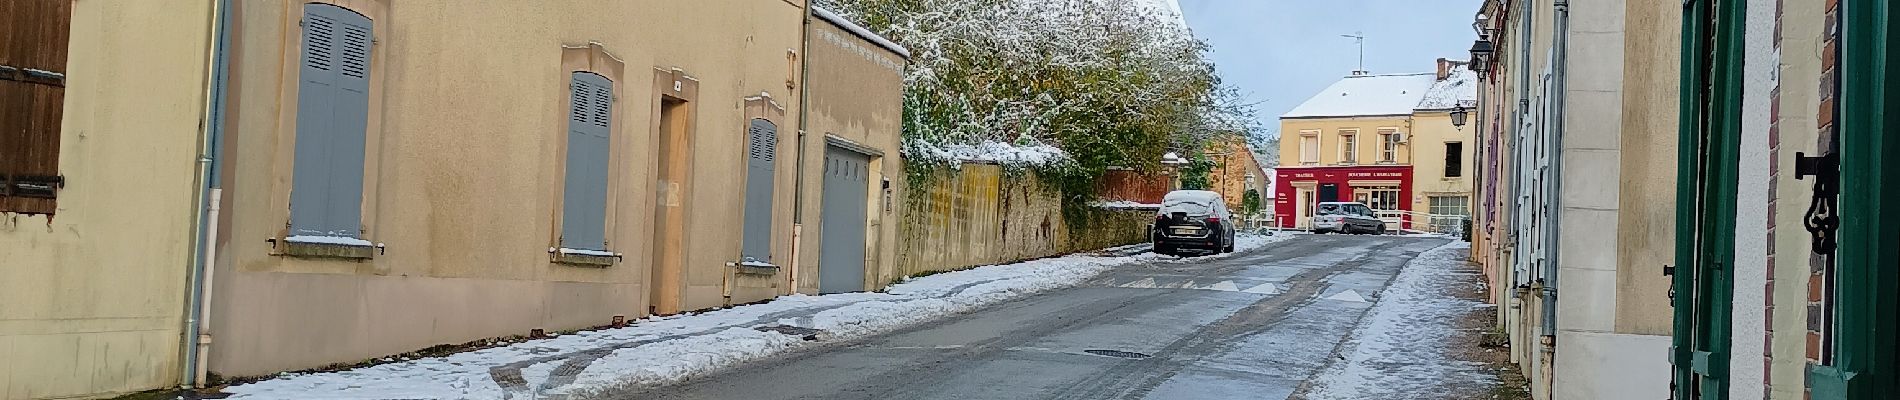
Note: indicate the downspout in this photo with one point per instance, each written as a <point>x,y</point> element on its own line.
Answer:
<point>197,340</point>
<point>1561,39</point>
<point>804,111</point>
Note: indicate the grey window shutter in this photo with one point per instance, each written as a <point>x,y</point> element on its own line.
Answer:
<point>332,120</point>
<point>761,149</point>
<point>590,117</point>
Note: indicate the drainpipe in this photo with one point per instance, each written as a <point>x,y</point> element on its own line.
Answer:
<point>1561,39</point>
<point>804,111</point>
<point>205,235</point>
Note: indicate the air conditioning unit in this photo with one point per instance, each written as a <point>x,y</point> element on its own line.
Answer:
<point>1398,137</point>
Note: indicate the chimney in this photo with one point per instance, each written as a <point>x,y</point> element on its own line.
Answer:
<point>1358,72</point>
<point>1444,68</point>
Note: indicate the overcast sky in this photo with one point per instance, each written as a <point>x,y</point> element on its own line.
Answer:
<point>1279,52</point>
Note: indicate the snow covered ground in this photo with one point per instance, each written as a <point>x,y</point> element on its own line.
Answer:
<point>1401,349</point>
<point>669,349</point>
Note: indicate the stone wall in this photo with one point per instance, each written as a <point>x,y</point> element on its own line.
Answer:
<point>980,215</point>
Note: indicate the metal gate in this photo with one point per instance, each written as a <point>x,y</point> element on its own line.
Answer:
<point>841,254</point>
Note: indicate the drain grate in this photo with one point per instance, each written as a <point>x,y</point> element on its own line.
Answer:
<point>1117,354</point>
<point>807,334</point>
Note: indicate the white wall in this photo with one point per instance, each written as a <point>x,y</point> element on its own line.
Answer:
<point>1595,366</point>
<point>1747,372</point>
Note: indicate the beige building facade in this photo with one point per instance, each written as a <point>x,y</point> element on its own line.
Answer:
<point>464,205</point>
<point>93,286</point>
<point>390,176</point>
<point>1390,141</point>
<point>1577,195</point>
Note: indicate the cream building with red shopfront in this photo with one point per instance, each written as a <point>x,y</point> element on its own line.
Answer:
<point>1387,140</point>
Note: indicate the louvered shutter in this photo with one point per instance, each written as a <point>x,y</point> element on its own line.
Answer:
<point>33,45</point>
<point>761,149</point>
<point>590,117</point>
<point>326,196</point>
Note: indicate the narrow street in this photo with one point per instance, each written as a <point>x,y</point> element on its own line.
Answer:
<point>1257,325</point>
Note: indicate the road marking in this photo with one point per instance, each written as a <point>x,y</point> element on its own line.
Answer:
<point>1348,295</point>
<point>1225,286</point>
<point>1264,288</point>
<point>1144,283</point>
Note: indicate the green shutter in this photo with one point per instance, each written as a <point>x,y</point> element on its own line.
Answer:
<point>1866,301</point>
<point>1710,134</point>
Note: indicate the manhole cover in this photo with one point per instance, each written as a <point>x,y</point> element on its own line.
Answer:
<point>1117,354</point>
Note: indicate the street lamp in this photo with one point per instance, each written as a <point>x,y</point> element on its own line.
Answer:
<point>1458,117</point>
<point>1481,56</point>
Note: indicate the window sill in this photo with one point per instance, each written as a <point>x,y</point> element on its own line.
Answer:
<point>755,268</point>
<point>327,247</point>
<point>586,258</point>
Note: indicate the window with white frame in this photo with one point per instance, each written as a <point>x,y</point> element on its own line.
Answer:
<point>1348,146</point>
<point>1380,197</point>
<point>1309,147</point>
<point>1388,145</point>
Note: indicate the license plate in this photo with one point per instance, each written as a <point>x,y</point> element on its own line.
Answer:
<point>1186,231</point>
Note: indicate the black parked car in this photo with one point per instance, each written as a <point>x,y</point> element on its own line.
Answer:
<point>1193,221</point>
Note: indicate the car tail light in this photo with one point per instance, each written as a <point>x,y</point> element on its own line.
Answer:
<point>1213,219</point>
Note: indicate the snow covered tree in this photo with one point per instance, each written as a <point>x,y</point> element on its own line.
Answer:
<point>1109,82</point>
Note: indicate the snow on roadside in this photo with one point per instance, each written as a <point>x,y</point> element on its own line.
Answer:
<point>669,349</point>
<point>1128,204</point>
<point>1401,349</point>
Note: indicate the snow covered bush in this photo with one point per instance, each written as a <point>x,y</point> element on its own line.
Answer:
<point>1104,82</point>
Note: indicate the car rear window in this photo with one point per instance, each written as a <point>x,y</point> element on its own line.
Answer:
<point>1186,206</point>
<point>1332,209</point>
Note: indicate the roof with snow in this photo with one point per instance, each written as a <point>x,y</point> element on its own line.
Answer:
<point>1364,95</point>
<point>1460,88</point>
<point>835,19</point>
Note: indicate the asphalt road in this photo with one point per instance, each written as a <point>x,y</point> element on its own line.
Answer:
<point>1255,325</point>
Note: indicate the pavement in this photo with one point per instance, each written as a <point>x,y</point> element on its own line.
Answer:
<point>1260,324</point>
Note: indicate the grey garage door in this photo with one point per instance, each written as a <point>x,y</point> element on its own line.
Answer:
<point>841,257</point>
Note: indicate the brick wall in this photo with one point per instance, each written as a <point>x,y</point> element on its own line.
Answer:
<point>1233,160</point>
<point>1774,175</point>
<point>1821,268</point>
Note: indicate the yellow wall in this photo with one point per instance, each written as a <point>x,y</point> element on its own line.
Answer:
<point>464,171</point>
<point>1367,144</point>
<point>857,94</point>
<point>1426,131</point>
<point>1430,131</point>
<point>91,299</point>
<point>1647,159</point>
<point>977,215</point>
<point>1800,82</point>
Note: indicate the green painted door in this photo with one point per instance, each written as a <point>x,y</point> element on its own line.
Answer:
<point>1710,132</point>
<point>1862,316</point>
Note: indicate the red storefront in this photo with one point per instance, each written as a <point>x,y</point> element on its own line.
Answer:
<point>1299,188</point>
